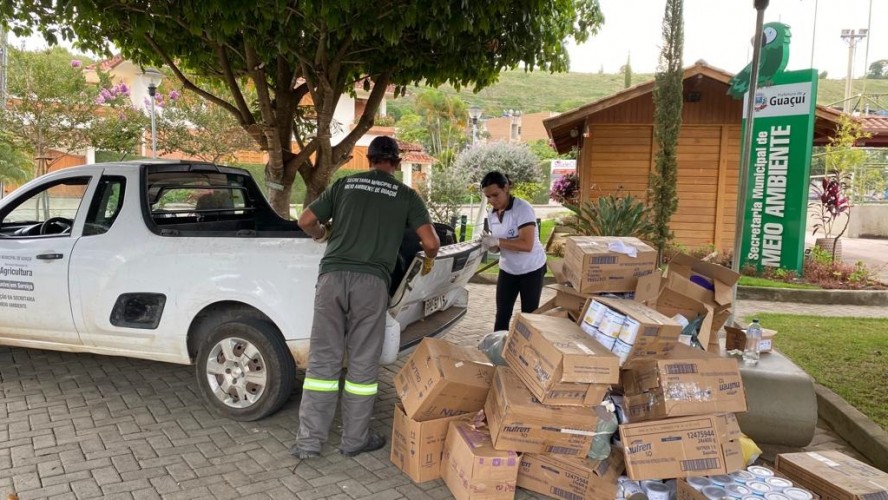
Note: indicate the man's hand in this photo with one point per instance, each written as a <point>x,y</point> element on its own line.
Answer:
<point>324,237</point>
<point>427,264</point>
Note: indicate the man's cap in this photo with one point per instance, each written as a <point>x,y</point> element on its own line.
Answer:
<point>383,148</point>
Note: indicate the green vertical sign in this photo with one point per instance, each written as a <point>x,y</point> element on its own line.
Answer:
<point>779,172</point>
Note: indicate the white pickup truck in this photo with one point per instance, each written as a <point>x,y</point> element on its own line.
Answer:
<point>187,263</point>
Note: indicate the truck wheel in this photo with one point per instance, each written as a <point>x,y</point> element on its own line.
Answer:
<point>245,370</point>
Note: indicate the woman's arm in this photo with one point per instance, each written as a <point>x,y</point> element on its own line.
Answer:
<point>524,241</point>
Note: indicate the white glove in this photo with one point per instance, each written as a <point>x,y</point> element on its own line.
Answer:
<point>490,242</point>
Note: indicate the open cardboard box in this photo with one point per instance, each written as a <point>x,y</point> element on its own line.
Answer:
<point>720,279</point>
<point>674,296</point>
<point>735,339</point>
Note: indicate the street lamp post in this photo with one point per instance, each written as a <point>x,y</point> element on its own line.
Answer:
<point>474,115</point>
<point>153,77</point>
<point>851,37</point>
<point>515,125</point>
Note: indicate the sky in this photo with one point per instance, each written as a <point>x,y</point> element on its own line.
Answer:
<point>719,32</point>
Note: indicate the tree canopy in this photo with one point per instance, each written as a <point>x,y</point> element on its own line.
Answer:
<point>287,51</point>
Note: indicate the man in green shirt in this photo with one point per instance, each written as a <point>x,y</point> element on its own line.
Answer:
<point>370,213</point>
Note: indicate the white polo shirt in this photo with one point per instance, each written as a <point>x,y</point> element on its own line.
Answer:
<point>518,214</point>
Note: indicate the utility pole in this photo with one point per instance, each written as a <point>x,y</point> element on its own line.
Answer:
<point>851,37</point>
<point>3,60</point>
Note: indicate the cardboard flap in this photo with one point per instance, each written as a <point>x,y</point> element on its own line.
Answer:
<point>723,278</point>
<point>557,268</point>
<point>458,364</point>
<point>648,288</point>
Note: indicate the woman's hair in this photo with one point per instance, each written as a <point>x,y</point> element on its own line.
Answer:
<point>500,179</point>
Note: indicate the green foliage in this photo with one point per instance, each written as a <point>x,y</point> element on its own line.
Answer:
<point>515,160</point>
<point>627,74</point>
<point>613,216</point>
<point>668,102</point>
<point>846,355</point>
<point>840,154</point>
<point>444,191</point>
<point>878,70</point>
<point>118,127</point>
<point>50,104</point>
<point>438,121</point>
<point>297,195</point>
<point>544,150</point>
<point>191,125</point>
<point>15,166</point>
<point>528,191</point>
<point>327,47</point>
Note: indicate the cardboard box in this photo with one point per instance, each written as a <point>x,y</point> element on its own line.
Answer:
<point>569,298</point>
<point>592,265</point>
<point>417,446</point>
<point>735,338</point>
<point>655,333</point>
<point>833,475</point>
<point>675,296</point>
<point>573,478</point>
<point>684,491</point>
<point>681,447</point>
<point>519,422</point>
<point>473,469</point>
<point>442,380</point>
<point>683,382</point>
<point>558,362</point>
<point>720,282</point>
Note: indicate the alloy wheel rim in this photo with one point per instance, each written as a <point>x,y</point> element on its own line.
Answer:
<point>236,372</point>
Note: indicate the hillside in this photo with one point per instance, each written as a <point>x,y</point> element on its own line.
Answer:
<point>539,91</point>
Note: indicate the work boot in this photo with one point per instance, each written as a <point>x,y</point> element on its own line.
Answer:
<point>374,442</point>
<point>299,453</point>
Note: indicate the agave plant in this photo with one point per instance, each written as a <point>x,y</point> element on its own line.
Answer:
<point>831,203</point>
<point>613,216</point>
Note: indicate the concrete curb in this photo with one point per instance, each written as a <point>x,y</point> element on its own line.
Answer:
<point>854,427</point>
<point>832,297</point>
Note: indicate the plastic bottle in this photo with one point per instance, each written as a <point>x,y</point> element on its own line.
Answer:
<point>753,338</point>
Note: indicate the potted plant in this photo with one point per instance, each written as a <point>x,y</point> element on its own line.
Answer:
<point>830,204</point>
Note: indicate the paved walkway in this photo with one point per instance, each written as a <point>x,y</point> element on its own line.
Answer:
<point>748,308</point>
<point>872,252</point>
<point>83,426</point>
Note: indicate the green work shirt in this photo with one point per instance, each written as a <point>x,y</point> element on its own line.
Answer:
<point>370,213</point>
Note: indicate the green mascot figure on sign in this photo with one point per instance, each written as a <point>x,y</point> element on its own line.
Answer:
<point>774,56</point>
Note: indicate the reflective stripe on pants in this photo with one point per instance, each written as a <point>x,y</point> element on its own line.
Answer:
<point>361,389</point>
<point>349,318</point>
<point>316,384</point>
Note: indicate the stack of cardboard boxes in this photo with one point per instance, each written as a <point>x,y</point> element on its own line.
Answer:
<point>541,412</point>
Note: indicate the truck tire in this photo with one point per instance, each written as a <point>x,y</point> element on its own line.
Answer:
<point>244,369</point>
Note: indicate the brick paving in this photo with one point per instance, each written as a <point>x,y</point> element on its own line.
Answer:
<point>84,426</point>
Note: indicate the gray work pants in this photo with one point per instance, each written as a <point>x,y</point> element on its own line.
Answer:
<point>349,318</point>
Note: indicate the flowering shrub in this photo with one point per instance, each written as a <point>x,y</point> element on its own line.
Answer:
<point>831,202</point>
<point>566,189</point>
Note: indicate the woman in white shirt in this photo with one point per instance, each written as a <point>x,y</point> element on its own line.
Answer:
<point>513,233</point>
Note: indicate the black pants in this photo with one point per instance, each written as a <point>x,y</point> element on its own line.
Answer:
<point>508,286</point>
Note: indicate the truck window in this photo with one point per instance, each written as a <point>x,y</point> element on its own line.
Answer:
<point>105,206</point>
<point>48,210</point>
<point>200,201</point>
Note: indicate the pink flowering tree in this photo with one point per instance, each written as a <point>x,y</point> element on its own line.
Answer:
<point>190,125</point>
<point>119,126</point>
<point>50,108</point>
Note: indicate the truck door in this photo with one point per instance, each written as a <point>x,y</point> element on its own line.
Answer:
<point>38,230</point>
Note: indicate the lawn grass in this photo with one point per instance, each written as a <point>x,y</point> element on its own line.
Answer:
<point>766,283</point>
<point>847,355</point>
